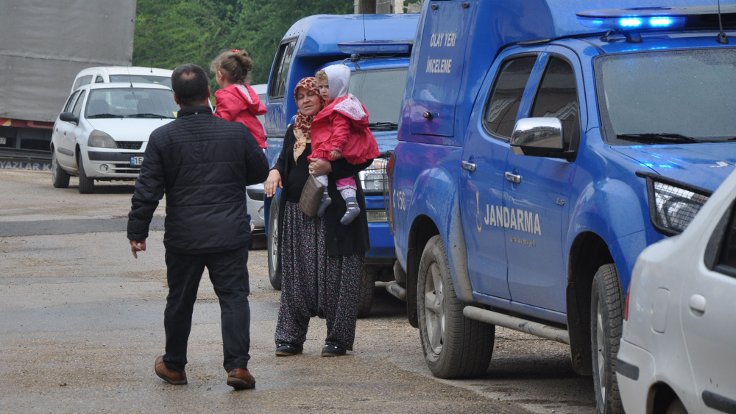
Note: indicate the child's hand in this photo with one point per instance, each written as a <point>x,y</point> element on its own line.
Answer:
<point>335,155</point>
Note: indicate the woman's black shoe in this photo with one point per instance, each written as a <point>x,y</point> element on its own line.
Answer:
<point>331,350</point>
<point>287,349</point>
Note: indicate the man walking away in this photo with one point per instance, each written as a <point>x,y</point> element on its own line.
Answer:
<point>202,164</point>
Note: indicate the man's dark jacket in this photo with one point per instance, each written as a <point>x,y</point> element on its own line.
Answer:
<point>202,163</point>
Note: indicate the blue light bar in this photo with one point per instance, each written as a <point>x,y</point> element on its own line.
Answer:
<point>633,22</point>
<point>375,47</point>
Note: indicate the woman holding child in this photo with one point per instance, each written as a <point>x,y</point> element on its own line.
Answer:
<point>321,260</point>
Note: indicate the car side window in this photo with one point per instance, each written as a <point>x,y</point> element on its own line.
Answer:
<point>558,97</point>
<point>70,102</point>
<point>277,83</point>
<point>727,256</point>
<point>82,80</point>
<point>78,106</point>
<point>502,107</point>
<point>99,79</point>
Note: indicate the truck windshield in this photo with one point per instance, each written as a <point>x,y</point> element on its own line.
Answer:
<point>381,92</point>
<point>131,103</point>
<point>664,97</point>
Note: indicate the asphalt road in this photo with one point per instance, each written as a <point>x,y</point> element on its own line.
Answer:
<point>81,322</point>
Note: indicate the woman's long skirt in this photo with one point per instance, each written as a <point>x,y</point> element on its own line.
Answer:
<point>314,283</point>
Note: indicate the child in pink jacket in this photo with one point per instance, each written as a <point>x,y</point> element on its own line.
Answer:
<point>340,130</point>
<point>236,100</point>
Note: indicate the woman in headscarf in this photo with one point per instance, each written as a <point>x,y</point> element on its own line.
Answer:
<point>321,260</point>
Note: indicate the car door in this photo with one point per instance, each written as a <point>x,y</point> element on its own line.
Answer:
<point>63,132</point>
<point>70,140</point>
<point>482,180</point>
<point>537,188</point>
<point>707,308</point>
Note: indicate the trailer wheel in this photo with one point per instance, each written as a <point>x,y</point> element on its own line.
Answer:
<point>86,184</point>
<point>59,177</point>
<point>606,320</point>
<point>454,346</point>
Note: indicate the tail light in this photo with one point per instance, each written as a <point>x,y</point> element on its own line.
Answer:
<point>626,303</point>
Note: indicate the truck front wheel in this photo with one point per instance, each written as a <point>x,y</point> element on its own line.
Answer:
<point>606,319</point>
<point>272,243</point>
<point>454,346</point>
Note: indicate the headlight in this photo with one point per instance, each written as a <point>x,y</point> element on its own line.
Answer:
<point>101,140</point>
<point>673,206</point>
<point>373,179</point>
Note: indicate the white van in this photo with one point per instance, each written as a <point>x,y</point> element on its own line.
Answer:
<point>135,74</point>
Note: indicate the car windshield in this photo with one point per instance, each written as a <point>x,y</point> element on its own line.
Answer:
<point>131,103</point>
<point>693,103</point>
<point>158,80</point>
<point>381,92</point>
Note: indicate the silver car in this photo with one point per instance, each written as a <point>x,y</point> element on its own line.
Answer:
<point>255,192</point>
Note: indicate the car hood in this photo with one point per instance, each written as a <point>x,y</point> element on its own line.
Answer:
<point>701,165</point>
<point>128,129</point>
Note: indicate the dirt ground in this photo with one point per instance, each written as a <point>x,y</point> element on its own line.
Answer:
<point>82,322</point>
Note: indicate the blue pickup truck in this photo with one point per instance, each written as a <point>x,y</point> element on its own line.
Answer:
<point>377,50</point>
<point>542,146</point>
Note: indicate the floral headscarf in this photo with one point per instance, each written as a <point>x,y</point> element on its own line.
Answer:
<point>304,122</point>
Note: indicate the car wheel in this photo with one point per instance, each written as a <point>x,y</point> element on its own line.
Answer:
<point>454,346</point>
<point>365,300</point>
<point>274,268</point>
<point>86,184</point>
<point>606,321</point>
<point>676,407</point>
<point>59,177</point>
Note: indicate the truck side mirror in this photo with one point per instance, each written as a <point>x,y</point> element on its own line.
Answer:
<point>68,117</point>
<point>541,137</point>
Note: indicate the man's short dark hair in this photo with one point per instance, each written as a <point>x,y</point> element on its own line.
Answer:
<point>190,84</point>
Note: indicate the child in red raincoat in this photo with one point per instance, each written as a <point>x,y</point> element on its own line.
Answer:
<point>236,100</point>
<point>340,130</point>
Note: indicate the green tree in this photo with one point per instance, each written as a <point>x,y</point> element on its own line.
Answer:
<point>171,32</point>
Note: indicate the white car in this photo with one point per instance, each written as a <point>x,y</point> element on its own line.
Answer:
<point>678,348</point>
<point>103,129</point>
<point>135,74</point>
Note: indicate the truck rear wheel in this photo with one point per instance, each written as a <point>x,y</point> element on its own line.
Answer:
<point>454,346</point>
<point>606,319</point>
<point>86,184</point>
<point>59,177</point>
<point>272,242</point>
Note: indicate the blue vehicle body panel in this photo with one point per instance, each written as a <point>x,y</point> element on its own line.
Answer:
<point>598,196</point>
<point>317,42</point>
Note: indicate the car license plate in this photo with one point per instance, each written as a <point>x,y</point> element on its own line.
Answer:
<point>136,161</point>
<point>3,140</point>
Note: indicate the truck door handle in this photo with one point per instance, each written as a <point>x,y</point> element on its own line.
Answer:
<point>514,178</point>
<point>468,165</point>
<point>697,305</point>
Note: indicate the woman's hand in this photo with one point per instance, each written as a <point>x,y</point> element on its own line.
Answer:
<point>272,182</point>
<point>320,167</point>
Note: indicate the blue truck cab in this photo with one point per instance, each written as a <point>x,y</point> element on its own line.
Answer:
<point>377,50</point>
<point>542,146</point>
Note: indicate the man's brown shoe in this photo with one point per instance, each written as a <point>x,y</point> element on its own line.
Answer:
<point>170,376</point>
<point>240,379</point>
